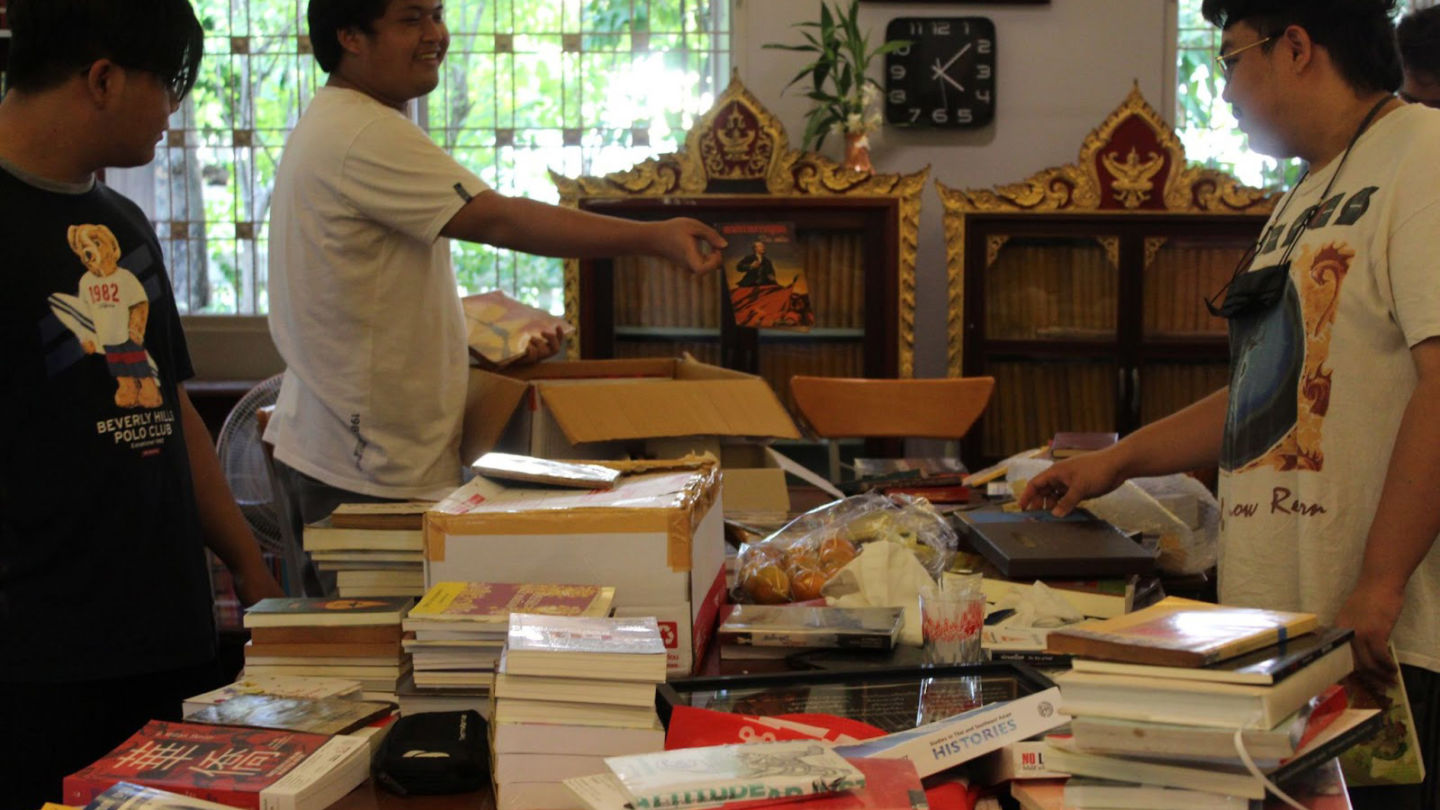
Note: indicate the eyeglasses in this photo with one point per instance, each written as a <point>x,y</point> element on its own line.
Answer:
<point>1229,60</point>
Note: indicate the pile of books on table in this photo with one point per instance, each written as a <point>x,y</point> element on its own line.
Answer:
<point>455,634</point>
<point>294,703</point>
<point>569,692</point>
<point>356,639</point>
<point>1157,696</point>
<point>373,549</point>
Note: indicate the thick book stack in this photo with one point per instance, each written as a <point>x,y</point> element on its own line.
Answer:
<point>1158,696</point>
<point>455,634</point>
<point>355,639</point>
<point>373,549</point>
<point>238,767</point>
<point>570,691</point>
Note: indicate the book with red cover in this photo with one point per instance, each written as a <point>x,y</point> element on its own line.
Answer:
<point>217,763</point>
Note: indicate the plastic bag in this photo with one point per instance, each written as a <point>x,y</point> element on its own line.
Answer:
<point>794,563</point>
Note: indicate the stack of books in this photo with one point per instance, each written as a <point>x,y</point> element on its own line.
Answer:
<point>1157,696</point>
<point>373,549</point>
<point>356,639</point>
<point>237,767</point>
<point>455,634</point>
<point>570,691</point>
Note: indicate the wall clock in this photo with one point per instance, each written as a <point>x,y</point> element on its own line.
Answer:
<point>945,78</point>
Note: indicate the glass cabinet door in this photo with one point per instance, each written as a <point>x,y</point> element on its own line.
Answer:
<point>1180,273</point>
<point>1051,288</point>
<point>1035,398</point>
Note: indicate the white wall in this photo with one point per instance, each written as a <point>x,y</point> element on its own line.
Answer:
<point>1060,69</point>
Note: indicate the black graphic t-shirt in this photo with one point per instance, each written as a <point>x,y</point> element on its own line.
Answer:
<point>102,566</point>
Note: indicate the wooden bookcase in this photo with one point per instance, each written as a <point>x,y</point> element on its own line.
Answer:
<point>856,234</point>
<point>1082,289</point>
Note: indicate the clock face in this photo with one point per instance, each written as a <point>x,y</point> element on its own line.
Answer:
<point>945,77</point>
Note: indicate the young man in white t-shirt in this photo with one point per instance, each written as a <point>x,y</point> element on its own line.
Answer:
<point>1328,436</point>
<point>363,302</point>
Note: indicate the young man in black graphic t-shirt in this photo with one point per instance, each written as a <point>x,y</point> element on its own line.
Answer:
<point>109,485</point>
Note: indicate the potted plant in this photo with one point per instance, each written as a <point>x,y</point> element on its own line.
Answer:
<point>843,94</point>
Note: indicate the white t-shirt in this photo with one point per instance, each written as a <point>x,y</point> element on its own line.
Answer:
<point>1319,383</point>
<point>363,305</point>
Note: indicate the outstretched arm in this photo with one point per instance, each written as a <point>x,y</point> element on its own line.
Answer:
<point>226,532</point>
<point>550,230</point>
<point>1185,440</point>
<point>1406,522</point>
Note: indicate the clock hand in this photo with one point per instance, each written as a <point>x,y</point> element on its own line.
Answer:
<point>937,73</point>
<point>939,68</point>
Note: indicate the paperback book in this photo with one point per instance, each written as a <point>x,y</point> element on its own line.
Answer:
<point>868,628</point>
<point>257,769</point>
<point>298,687</point>
<point>130,796</point>
<point>1265,666</point>
<point>498,329</point>
<point>890,784</point>
<point>686,777</point>
<point>477,606</point>
<point>1392,756</point>
<point>311,715</point>
<point>1181,633</point>
<point>528,469</point>
<point>289,611</point>
<point>386,515</point>
<point>764,276</point>
<point>585,647</point>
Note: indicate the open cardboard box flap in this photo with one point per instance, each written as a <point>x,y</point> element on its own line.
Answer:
<point>743,407</point>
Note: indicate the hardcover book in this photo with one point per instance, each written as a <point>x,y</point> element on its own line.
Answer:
<point>512,467</point>
<point>1264,666</point>
<point>1180,633</point>
<point>764,277</point>
<point>1200,703</point>
<point>310,715</point>
<point>475,606</point>
<point>585,647</point>
<point>258,769</point>
<point>686,777</point>
<point>870,628</point>
<point>289,611</point>
<point>1035,543</point>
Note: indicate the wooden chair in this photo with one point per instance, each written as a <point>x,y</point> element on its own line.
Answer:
<point>848,408</point>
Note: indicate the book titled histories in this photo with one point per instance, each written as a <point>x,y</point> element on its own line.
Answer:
<point>936,746</point>
<point>764,276</point>
<point>465,606</point>
<point>290,611</point>
<point>868,628</point>
<point>1035,543</point>
<point>312,715</point>
<point>685,777</point>
<point>628,649</point>
<point>257,769</point>
<point>1180,632</point>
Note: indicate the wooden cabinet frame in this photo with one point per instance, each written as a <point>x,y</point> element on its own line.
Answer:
<point>737,165</point>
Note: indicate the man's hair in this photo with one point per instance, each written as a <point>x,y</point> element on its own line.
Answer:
<point>1419,36</point>
<point>328,18</point>
<point>53,40</point>
<point>1357,34</point>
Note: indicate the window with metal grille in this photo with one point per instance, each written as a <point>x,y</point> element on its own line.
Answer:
<point>577,86</point>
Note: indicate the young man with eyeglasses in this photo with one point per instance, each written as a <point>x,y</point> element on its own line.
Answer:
<point>363,302</point>
<point>1328,436</point>
<point>110,490</point>
<point>1419,36</point>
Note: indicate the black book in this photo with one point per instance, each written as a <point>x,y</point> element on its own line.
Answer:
<point>1265,666</point>
<point>1038,544</point>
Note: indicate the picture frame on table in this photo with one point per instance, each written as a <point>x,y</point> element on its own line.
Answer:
<point>890,698</point>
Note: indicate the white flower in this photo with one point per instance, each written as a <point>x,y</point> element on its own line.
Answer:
<point>854,123</point>
<point>869,93</point>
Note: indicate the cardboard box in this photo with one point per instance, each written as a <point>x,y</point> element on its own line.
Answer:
<point>656,537</point>
<point>655,407</point>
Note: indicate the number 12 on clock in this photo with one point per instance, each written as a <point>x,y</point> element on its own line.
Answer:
<point>945,77</point>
